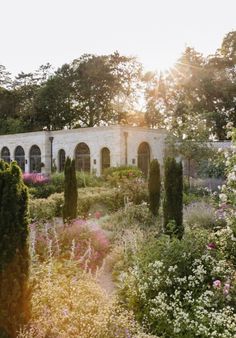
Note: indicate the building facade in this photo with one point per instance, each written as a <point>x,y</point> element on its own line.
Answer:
<point>94,149</point>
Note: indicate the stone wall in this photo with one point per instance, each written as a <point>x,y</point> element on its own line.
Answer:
<point>122,141</point>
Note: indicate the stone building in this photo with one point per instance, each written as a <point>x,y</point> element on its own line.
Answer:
<point>94,149</point>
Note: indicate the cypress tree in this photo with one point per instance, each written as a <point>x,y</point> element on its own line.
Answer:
<point>173,200</point>
<point>154,187</point>
<point>15,306</point>
<point>70,191</point>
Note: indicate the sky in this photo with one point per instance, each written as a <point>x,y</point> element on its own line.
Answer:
<point>34,32</point>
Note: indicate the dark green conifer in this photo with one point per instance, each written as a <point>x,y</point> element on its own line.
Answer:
<point>154,187</point>
<point>173,200</point>
<point>70,191</point>
<point>15,306</point>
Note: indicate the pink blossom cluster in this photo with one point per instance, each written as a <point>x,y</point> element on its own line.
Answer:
<point>35,179</point>
<point>217,284</point>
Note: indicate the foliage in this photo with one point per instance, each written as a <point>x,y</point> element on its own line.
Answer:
<point>173,199</point>
<point>14,253</point>
<point>79,240</point>
<point>114,174</point>
<point>67,303</point>
<point>69,210</point>
<point>197,91</point>
<point>181,288</point>
<point>201,215</point>
<point>42,186</point>
<point>214,166</point>
<point>154,187</point>
<point>46,208</point>
<point>31,179</point>
<point>127,218</point>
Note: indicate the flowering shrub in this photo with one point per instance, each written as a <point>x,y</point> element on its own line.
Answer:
<point>181,289</point>
<point>67,303</point>
<point>227,197</point>
<point>72,241</point>
<point>35,179</point>
<point>200,214</point>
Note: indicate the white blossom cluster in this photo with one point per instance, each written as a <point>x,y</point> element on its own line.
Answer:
<point>176,305</point>
<point>228,190</point>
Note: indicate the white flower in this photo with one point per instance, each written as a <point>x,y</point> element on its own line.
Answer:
<point>223,197</point>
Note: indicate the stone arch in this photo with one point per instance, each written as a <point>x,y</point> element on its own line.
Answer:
<point>105,159</point>
<point>35,159</point>
<point>144,157</point>
<point>82,157</point>
<point>61,160</point>
<point>19,156</point>
<point>5,155</point>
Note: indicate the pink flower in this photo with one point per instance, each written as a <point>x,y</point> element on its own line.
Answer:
<point>226,289</point>
<point>211,246</point>
<point>97,214</point>
<point>217,284</point>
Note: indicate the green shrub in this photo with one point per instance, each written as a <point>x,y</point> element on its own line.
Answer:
<point>85,179</point>
<point>46,208</point>
<point>14,251</point>
<point>154,187</point>
<point>127,218</point>
<point>70,191</point>
<point>56,184</point>
<point>173,200</point>
<point>115,175</point>
<point>200,215</point>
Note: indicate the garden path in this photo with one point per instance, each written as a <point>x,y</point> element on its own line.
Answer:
<point>104,276</point>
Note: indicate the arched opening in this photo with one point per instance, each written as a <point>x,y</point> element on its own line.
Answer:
<point>82,157</point>
<point>35,159</point>
<point>61,160</point>
<point>144,158</point>
<point>105,159</point>
<point>20,157</point>
<point>5,155</point>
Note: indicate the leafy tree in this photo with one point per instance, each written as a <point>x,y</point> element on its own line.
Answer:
<point>53,101</point>
<point>196,90</point>
<point>5,77</point>
<point>14,253</point>
<point>154,187</point>
<point>173,200</point>
<point>70,191</point>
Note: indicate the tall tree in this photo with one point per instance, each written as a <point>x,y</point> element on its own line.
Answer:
<point>70,191</point>
<point>53,101</point>
<point>154,187</point>
<point>173,200</point>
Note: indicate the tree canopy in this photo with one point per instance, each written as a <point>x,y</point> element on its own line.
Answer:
<point>197,93</point>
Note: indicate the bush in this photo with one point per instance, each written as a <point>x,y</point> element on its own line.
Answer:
<point>67,303</point>
<point>85,179</point>
<point>181,288</point>
<point>46,209</point>
<point>77,241</point>
<point>130,217</point>
<point>115,174</point>
<point>41,186</point>
<point>200,215</point>
<point>14,251</point>
<point>69,210</point>
<point>154,187</point>
<point>173,199</point>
